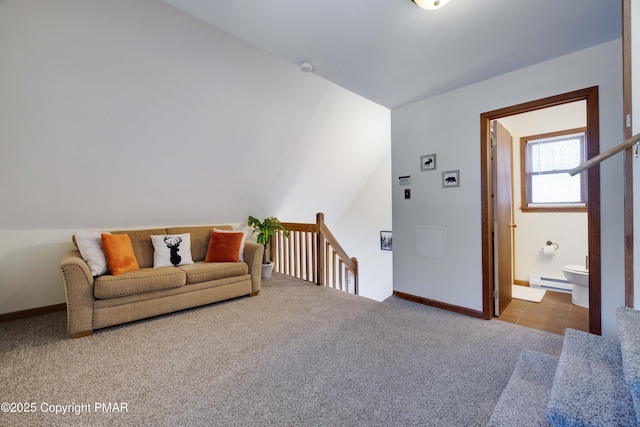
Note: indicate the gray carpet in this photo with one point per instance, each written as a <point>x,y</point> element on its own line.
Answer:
<point>296,355</point>
<point>589,387</point>
<point>527,394</point>
<point>629,331</point>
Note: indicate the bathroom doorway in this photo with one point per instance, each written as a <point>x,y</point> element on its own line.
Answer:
<point>532,227</point>
<point>547,219</point>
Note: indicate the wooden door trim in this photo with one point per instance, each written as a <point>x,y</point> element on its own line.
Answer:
<point>628,155</point>
<point>590,95</point>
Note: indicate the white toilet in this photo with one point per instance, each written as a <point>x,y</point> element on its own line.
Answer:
<point>578,275</point>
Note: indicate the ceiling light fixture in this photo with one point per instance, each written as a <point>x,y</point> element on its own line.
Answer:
<point>430,4</point>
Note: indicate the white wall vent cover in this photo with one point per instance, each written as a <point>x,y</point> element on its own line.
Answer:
<point>431,242</point>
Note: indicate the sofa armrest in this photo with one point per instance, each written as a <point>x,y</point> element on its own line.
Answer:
<point>253,253</point>
<point>78,288</point>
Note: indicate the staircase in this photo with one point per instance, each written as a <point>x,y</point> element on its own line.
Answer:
<point>594,382</point>
<point>311,252</point>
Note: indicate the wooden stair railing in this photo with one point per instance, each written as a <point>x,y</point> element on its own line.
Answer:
<point>605,155</point>
<point>312,253</point>
<point>628,205</point>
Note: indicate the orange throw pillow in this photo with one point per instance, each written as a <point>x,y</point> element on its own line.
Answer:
<point>119,253</point>
<point>224,247</point>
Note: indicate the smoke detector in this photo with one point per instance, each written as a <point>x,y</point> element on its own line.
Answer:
<point>306,67</point>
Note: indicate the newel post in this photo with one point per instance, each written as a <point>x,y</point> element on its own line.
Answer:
<point>320,245</point>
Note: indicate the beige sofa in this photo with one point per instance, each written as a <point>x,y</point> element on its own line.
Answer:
<point>106,300</point>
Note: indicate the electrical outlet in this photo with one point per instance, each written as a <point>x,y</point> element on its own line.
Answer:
<point>407,193</point>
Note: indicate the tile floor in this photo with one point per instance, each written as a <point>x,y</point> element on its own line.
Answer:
<point>553,314</point>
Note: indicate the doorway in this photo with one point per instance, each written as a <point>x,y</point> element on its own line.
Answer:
<point>491,211</point>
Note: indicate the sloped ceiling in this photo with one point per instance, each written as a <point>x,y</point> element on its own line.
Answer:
<point>393,52</point>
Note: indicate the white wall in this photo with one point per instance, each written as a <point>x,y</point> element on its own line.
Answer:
<point>449,125</point>
<point>360,226</point>
<point>568,229</point>
<point>126,114</point>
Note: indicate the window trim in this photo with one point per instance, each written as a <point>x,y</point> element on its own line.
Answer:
<point>524,206</point>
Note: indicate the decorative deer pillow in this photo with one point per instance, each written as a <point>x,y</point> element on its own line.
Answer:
<point>171,250</point>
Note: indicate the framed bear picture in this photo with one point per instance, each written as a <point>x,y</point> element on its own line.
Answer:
<point>451,179</point>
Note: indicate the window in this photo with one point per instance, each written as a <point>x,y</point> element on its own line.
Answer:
<point>545,161</point>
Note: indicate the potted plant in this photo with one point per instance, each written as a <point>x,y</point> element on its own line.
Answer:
<point>265,229</point>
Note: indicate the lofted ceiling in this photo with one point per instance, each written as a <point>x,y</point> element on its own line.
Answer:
<point>393,52</point>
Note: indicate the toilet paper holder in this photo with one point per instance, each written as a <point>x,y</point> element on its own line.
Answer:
<point>556,246</point>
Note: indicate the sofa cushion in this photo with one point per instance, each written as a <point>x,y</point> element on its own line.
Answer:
<point>242,242</point>
<point>200,235</point>
<point>171,250</point>
<point>89,243</point>
<point>119,253</point>
<point>137,282</point>
<point>224,247</point>
<point>141,242</point>
<point>206,271</point>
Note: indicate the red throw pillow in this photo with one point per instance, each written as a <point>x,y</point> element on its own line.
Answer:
<point>118,251</point>
<point>224,247</point>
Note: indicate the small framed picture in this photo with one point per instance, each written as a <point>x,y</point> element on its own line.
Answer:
<point>451,179</point>
<point>386,241</point>
<point>428,162</point>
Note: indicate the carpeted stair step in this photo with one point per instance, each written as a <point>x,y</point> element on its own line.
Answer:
<point>629,332</point>
<point>589,387</point>
<point>524,400</point>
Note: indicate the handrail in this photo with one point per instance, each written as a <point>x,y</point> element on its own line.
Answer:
<point>312,253</point>
<point>329,237</point>
<point>605,155</point>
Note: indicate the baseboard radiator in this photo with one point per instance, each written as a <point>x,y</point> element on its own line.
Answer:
<point>550,284</point>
